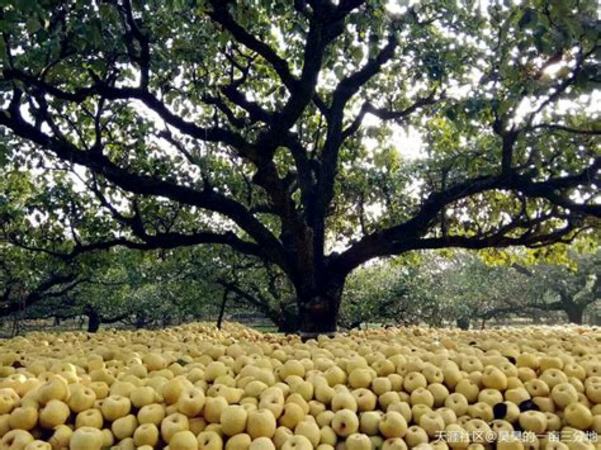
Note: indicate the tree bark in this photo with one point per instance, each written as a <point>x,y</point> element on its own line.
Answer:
<point>15,326</point>
<point>288,321</point>
<point>140,321</point>
<point>318,310</point>
<point>94,320</point>
<point>575,314</point>
<point>574,310</point>
<point>463,323</point>
<point>222,308</point>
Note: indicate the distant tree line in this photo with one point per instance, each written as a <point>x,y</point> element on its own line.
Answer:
<point>150,289</point>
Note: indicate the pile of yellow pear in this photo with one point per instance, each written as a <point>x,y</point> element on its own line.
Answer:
<point>198,388</point>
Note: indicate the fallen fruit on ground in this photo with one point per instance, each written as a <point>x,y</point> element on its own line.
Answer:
<point>199,388</point>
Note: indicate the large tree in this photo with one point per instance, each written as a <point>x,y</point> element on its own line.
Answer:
<point>273,127</point>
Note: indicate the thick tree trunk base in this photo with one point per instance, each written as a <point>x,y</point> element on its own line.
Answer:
<point>575,315</point>
<point>318,317</point>
<point>288,321</point>
<point>306,336</point>
<point>93,323</point>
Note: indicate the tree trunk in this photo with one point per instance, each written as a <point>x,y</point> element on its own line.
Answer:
<point>287,321</point>
<point>93,320</point>
<point>318,312</point>
<point>463,323</point>
<point>15,325</point>
<point>575,314</point>
<point>222,309</point>
<point>140,321</point>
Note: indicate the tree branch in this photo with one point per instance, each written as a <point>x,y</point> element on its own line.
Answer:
<point>387,114</point>
<point>43,290</point>
<point>400,236</point>
<point>147,185</point>
<point>221,15</point>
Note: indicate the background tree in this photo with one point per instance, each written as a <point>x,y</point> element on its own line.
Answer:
<point>27,279</point>
<point>394,292</point>
<point>179,123</point>
<point>567,289</point>
<point>259,287</point>
<point>470,290</point>
<point>140,289</point>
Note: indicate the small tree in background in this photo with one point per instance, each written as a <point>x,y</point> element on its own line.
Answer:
<point>391,293</point>
<point>473,290</point>
<point>571,290</point>
<point>28,278</point>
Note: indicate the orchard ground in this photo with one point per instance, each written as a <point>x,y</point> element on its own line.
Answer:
<point>194,387</point>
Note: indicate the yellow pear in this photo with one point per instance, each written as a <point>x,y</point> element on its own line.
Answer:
<point>86,438</point>
<point>239,441</point>
<point>82,399</point>
<point>183,440</point>
<point>172,424</point>
<point>115,406</point>
<point>233,420</point>
<point>146,434</point>
<point>345,422</point>
<point>54,413</point>
<point>191,401</point>
<point>297,442</point>
<point>23,418</point>
<point>261,423</point>
<point>124,427</point>
<point>209,440</point>
<point>262,443</point>
<point>153,413</point>
<point>358,441</point>
<point>16,440</point>
<point>393,424</point>
<point>89,418</point>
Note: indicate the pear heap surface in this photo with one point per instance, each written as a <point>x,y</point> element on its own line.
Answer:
<point>194,387</point>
